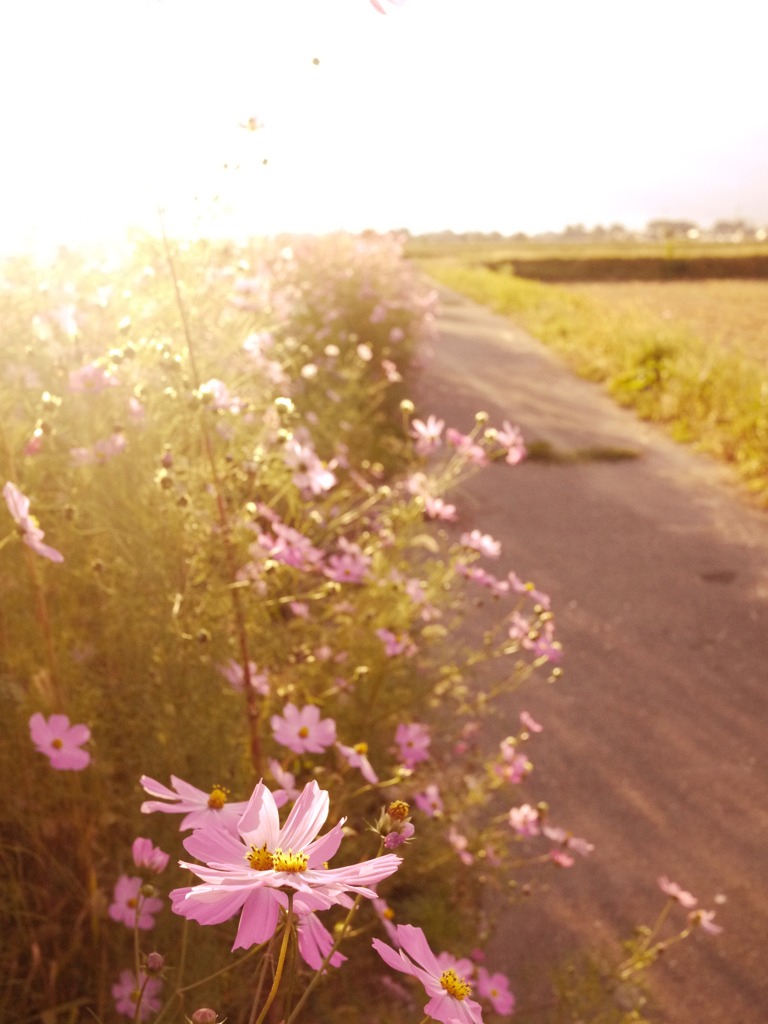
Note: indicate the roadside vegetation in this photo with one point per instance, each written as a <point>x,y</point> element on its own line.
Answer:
<point>231,605</point>
<point>686,364</point>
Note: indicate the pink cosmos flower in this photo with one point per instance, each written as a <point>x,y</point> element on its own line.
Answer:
<point>315,942</point>
<point>356,757</point>
<point>132,909</point>
<point>448,992</point>
<point>511,438</point>
<point>567,840</point>
<point>310,473</point>
<point>461,965</point>
<point>404,831</point>
<point>561,858</point>
<point>436,508</point>
<point>416,589</point>
<point>380,7</point>
<point>485,579</point>
<point>482,542</point>
<point>460,843</point>
<point>529,590</point>
<point>288,546</point>
<point>418,484</point>
<point>200,809</point>
<point>539,640</point>
<point>429,801</point>
<point>386,915</point>
<point>233,672</point>
<point>31,534</point>
<point>302,731</point>
<point>427,434</point>
<point>545,646</point>
<point>673,890</point>
<point>60,741</point>
<point>396,643</point>
<point>525,820</point>
<point>391,371</point>
<point>215,394</point>
<point>520,627</point>
<point>35,443</point>
<point>286,781</point>
<point>148,856</point>
<point>413,740</point>
<point>128,990</point>
<point>349,565</point>
<point>463,443</point>
<point>529,722</point>
<point>495,988</point>
<point>704,919</point>
<point>514,766</point>
<point>91,378</point>
<point>135,409</point>
<point>107,447</point>
<point>250,872</point>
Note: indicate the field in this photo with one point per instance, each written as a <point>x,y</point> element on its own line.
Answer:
<point>729,314</point>
<point>688,353</point>
<point>589,260</point>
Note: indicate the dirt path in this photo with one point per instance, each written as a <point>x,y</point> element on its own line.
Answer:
<point>655,742</point>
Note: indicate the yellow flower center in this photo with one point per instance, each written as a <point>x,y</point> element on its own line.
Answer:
<point>303,732</point>
<point>454,985</point>
<point>259,858</point>
<point>360,748</point>
<point>287,860</point>
<point>133,902</point>
<point>218,797</point>
<point>57,743</point>
<point>398,810</point>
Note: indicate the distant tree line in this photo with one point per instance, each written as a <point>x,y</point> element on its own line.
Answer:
<point>733,230</point>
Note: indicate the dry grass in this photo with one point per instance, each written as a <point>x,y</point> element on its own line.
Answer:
<point>730,314</point>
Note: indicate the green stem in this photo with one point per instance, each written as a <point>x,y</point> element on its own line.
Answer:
<point>137,1014</point>
<point>280,961</point>
<point>323,966</point>
<point>659,922</point>
<point>253,709</point>
<point>136,949</point>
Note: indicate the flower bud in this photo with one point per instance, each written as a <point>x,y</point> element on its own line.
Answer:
<point>155,963</point>
<point>204,1016</point>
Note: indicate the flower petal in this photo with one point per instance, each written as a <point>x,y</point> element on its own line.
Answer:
<point>259,918</point>
<point>415,944</point>
<point>306,819</point>
<point>207,904</point>
<point>260,822</point>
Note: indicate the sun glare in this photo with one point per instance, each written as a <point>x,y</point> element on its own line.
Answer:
<point>316,116</point>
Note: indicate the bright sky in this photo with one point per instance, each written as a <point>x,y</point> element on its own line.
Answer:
<point>465,114</point>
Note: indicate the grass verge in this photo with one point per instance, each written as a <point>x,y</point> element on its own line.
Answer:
<point>714,399</point>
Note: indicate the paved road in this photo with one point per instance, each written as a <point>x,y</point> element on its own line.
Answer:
<point>656,738</point>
